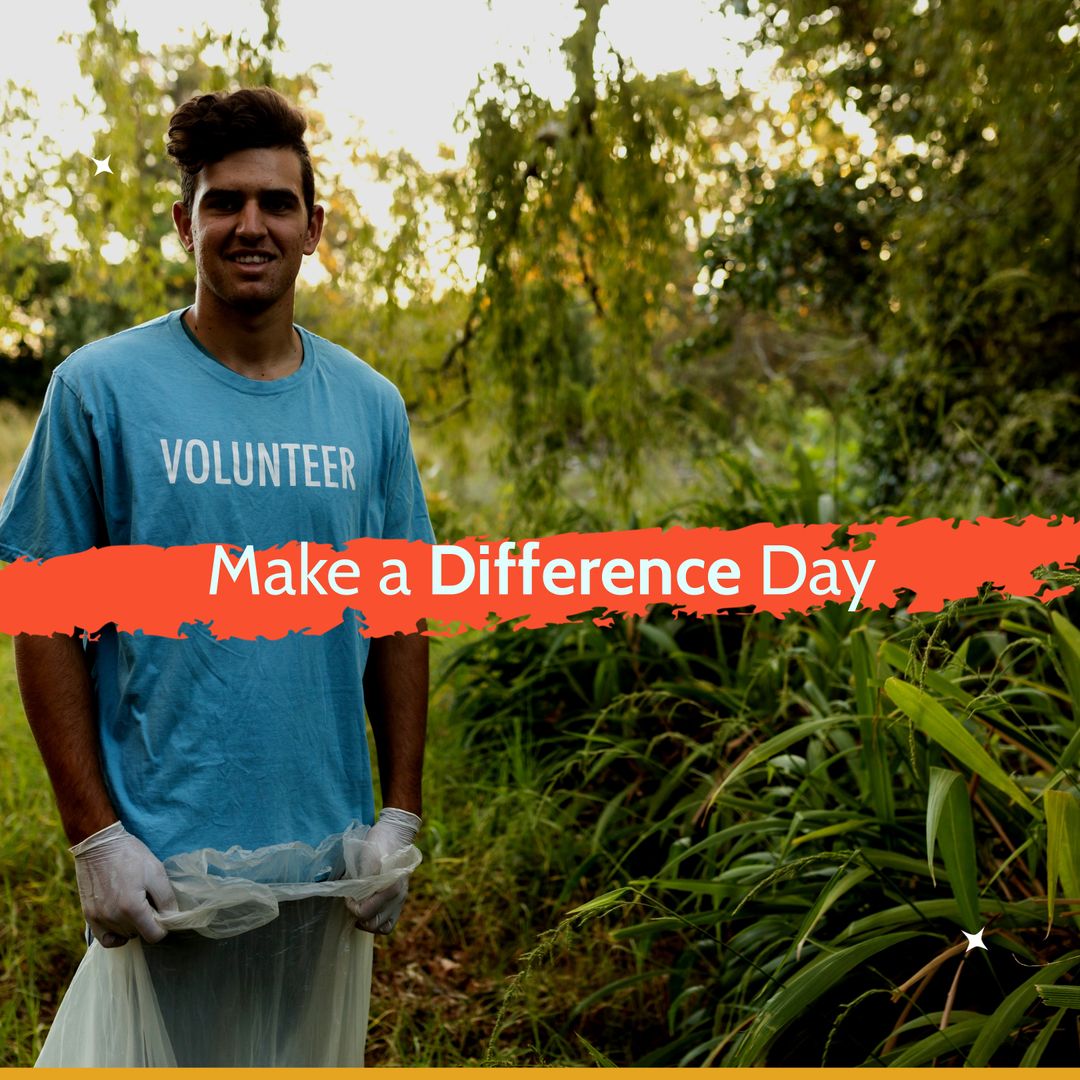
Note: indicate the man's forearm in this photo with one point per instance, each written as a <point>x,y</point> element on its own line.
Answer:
<point>59,702</point>
<point>396,695</point>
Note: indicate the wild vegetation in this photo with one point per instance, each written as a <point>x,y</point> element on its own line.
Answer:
<point>728,841</point>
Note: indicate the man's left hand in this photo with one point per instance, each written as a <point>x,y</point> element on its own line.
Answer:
<point>394,831</point>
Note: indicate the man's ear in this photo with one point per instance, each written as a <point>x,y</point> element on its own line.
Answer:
<point>182,221</point>
<point>314,229</point>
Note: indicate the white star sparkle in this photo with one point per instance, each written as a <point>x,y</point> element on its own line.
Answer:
<point>975,941</point>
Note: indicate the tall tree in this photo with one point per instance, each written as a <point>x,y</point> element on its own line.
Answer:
<point>580,214</point>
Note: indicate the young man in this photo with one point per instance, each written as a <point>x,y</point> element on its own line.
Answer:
<point>223,423</point>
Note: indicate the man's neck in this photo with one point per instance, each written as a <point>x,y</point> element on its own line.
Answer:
<point>260,345</point>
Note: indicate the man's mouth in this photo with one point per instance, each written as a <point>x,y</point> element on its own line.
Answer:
<point>251,259</point>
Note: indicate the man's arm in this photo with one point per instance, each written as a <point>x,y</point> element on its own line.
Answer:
<point>396,695</point>
<point>121,882</point>
<point>58,699</point>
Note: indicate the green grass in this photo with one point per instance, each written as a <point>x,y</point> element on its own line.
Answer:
<point>489,889</point>
<point>16,427</point>
<point>40,920</point>
<point>40,931</point>
<point>748,809</point>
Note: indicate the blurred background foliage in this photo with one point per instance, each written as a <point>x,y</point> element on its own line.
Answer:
<point>735,840</point>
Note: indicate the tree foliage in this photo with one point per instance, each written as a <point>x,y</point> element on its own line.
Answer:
<point>580,215</point>
<point>657,256</point>
<point>965,207</point>
<point>121,264</point>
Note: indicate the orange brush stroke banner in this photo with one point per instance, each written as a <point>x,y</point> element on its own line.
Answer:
<point>481,581</point>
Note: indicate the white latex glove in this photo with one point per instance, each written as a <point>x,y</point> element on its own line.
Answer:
<point>395,829</point>
<point>121,884</point>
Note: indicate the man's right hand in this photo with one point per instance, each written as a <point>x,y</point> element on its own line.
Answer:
<point>121,885</point>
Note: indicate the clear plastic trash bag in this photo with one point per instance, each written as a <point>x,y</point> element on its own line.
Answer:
<point>262,966</point>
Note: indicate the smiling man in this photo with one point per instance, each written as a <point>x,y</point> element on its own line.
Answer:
<point>224,423</point>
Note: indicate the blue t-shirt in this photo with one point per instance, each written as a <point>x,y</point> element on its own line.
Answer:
<point>144,438</point>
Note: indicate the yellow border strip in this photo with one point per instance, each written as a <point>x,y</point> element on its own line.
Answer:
<point>637,1073</point>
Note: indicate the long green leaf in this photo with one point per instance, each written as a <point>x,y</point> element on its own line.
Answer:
<point>1068,756</point>
<point>828,896</point>
<point>877,777</point>
<point>940,1042</point>
<point>614,987</point>
<point>907,914</point>
<point>1003,1021</point>
<point>1062,847</point>
<point>1068,638</point>
<point>803,990</point>
<point>1059,997</point>
<point>1033,1054</point>
<point>938,724</point>
<point>1068,641</point>
<point>957,835</point>
<point>940,782</point>
<point>862,668</point>
<point>770,748</point>
<point>840,827</point>
<point>598,1058</point>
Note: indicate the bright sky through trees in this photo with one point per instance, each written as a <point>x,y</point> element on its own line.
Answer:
<point>398,73</point>
<point>402,70</point>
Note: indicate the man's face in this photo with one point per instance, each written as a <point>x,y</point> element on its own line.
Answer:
<point>248,228</point>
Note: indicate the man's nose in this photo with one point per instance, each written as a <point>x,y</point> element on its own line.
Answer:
<point>251,220</point>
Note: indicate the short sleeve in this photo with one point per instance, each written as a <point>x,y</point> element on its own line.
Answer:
<point>406,516</point>
<point>54,504</point>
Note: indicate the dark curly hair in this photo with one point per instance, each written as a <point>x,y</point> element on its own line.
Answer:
<point>210,126</point>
